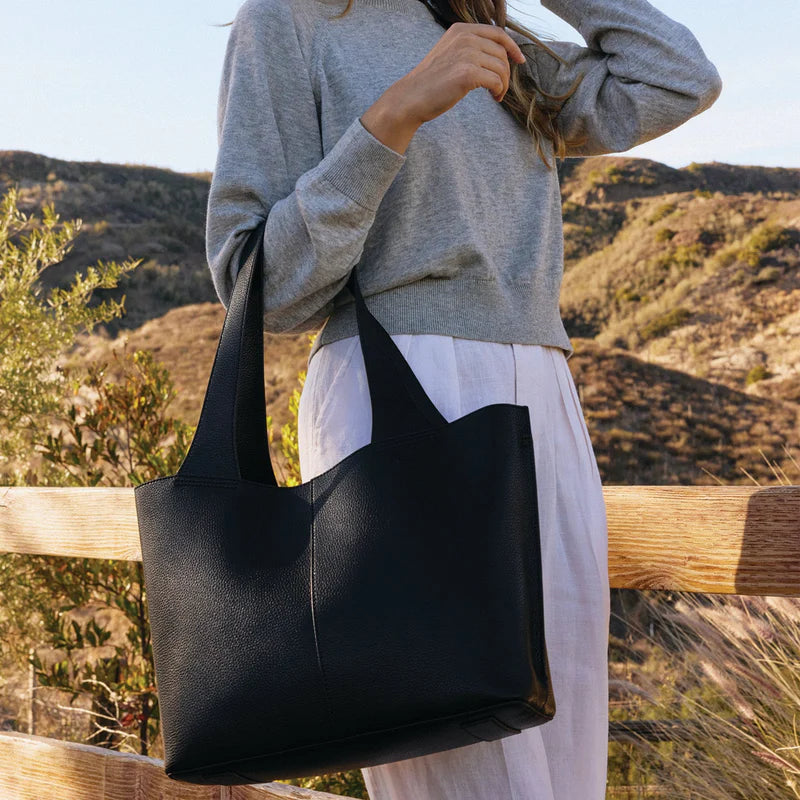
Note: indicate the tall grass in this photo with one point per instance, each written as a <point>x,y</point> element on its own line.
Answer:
<point>728,668</point>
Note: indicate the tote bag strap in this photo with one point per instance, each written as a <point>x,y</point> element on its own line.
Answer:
<point>231,441</point>
<point>399,403</point>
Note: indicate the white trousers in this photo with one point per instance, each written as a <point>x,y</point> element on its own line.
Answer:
<point>565,758</point>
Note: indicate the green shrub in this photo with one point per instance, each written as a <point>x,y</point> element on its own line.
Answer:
<point>703,193</point>
<point>614,173</point>
<point>664,234</point>
<point>665,209</point>
<point>682,256</point>
<point>627,293</point>
<point>36,327</point>
<point>757,373</point>
<point>666,322</point>
<point>688,255</point>
<point>595,177</point>
<point>768,237</point>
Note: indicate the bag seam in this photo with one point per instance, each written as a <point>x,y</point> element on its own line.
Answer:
<point>314,616</point>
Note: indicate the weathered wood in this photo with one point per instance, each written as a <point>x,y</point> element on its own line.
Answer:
<point>84,522</point>
<point>726,539</point>
<point>35,768</point>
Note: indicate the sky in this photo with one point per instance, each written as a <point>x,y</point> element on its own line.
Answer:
<point>137,83</point>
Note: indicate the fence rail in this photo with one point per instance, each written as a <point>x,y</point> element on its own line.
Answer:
<point>724,539</point>
<point>39,768</point>
<point>721,539</point>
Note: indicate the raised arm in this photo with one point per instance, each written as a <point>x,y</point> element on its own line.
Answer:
<point>645,73</point>
<point>270,164</point>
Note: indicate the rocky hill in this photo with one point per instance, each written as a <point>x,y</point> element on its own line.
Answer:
<point>681,293</point>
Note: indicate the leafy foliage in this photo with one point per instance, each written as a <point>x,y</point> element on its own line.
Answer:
<point>124,437</point>
<point>35,329</point>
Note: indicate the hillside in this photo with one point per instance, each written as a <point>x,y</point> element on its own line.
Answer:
<point>681,293</point>
<point>697,268</point>
<point>127,211</point>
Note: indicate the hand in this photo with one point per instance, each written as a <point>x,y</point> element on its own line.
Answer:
<point>466,57</point>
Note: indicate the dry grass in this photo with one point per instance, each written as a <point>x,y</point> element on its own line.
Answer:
<point>727,665</point>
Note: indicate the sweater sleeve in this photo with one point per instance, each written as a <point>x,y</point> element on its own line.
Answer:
<point>270,164</point>
<point>645,74</point>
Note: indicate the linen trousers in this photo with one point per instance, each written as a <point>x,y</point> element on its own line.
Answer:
<point>565,758</point>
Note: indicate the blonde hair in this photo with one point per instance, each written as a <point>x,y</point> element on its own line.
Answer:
<point>528,103</point>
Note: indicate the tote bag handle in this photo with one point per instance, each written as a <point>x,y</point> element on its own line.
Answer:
<point>231,442</point>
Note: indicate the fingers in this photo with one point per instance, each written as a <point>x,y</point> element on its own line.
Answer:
<point>493,48</point>
<point>495,33</point>
<point>501,73</point>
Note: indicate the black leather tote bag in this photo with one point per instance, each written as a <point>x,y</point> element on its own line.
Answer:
<point>388,608</point>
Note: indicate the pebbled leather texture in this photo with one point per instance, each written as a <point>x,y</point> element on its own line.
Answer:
<point>390,607</point>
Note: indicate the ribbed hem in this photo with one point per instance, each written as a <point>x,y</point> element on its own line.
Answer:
<point>569,10</point>
<point>463,307</point>
<point>362,166</point>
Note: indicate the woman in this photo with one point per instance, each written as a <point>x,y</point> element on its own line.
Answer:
<point>418,142</point>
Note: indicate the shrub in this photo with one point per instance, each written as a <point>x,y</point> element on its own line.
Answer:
<point>757,373</point>
<point>725,258</point>
<point>614,173</point>
<point>664,234</point>
<point>766,275</point>
<point>627,293</point>
<point>645,179</point>
<point>688,255</point>
<point>595,177</point>
<point>569,208</point>
<point>682,256</point>
<point>664,323</point>
<point>37,326</point>
<point>768,237</point>
<point>665,209</point>
<point>740,276</point>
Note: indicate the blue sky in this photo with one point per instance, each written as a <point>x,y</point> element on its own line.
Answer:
<point>137,82</point>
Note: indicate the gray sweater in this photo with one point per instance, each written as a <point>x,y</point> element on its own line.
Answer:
<point>461,234</point>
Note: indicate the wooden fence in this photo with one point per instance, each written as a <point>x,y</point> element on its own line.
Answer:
<point>722,539</point>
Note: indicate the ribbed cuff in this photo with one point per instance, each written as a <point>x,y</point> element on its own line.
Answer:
<point>362,166</point>
<point>570,11</point>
